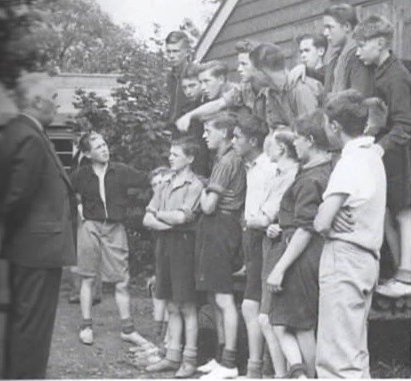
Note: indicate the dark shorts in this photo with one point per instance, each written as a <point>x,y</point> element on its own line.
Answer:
<point>253,255</point>
<point>398,168</point>
<point>217,244</point>
<point>175,267</point>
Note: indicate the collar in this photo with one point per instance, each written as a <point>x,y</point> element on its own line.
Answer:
<point>317,163</point>
<point>177,182</point>
<point>260,159</point>
<point>177,71</point>
<point>355,144</point>
<point>224,152</point>
<point>34,120</point>
<point>286,167</point>
<point>385,65</point>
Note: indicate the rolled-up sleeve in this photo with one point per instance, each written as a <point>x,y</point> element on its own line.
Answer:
<point>191,203</point>
<point>308,197</point>
<point>221,177</point>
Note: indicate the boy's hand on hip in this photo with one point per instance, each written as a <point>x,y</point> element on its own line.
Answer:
<point>343,221</point>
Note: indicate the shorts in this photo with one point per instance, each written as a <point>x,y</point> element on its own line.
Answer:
<point>253,255</point>
<point>218,241</point>
<point>102,248</point>
<point>175,266</point>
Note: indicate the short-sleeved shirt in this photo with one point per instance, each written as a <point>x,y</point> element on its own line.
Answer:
<point>118,180</point>
<point>178,194</point>
<point>228,180</point>
<point>284,177</point>
<point>260,176</point>
<point>300,202</point>
<point>360,174</point>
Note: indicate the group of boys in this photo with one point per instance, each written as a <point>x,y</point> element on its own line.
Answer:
<point>207,107</point>
<point>204,209</point>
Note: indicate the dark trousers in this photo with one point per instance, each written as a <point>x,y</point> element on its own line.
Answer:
<point>34,298</point>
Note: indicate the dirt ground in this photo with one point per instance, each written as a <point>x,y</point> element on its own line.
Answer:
<point>389,343</point>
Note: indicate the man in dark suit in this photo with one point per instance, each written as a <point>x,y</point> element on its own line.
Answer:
<point>39,240</point>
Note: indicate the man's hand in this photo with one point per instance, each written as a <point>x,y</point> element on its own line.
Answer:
<point>273,231</point>
<point>183,123</point>
<point>296,73</point>
<point>275,279</point>
<point>343,221</point>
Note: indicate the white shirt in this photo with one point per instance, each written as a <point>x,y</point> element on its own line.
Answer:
<point>360,174</point>
<point>102,187</point>
<point>260,177</point>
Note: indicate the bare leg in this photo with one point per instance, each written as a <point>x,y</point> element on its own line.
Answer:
<point>307,344</point>
<point>277,356</point>
<point>393,238</point>
<point>404,222</point>
<point>86,296</point>
<point>189,312</point>
<point>122,297</point>
<point>250,310</point>
<point>175,324</point>
<point>225,303</point>
<point>289,345</point>
<point>218,319</point>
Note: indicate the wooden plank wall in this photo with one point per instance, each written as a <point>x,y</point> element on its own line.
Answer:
<point>281,21</point>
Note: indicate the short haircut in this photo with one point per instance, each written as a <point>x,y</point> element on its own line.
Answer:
<point>84,143</point>
<point>287,139</point>
<point>224,121</point>
<point>312,126</point>
<point>343,14</point>
<point>245,46</point>
<point>176,36</point>
<point>187,145</point>
<point>252,126</point>
<point>319,41</point>
<point>216,68</point>
<point>267,55</point>
<point>372,27</point>
<point>349,109</point>
<point>190,71</point>
<point>29,86</point>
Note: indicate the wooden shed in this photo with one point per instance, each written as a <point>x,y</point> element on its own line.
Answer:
<point>281,21</point>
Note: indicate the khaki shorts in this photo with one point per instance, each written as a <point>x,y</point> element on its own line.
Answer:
<point>103,249</point>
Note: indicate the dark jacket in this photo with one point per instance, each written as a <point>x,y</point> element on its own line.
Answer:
<point>37,203</point>
<point>178,100</point>
<point>118,181</point>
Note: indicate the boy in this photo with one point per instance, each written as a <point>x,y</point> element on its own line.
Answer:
<point>172,213</point>
<point>287,101</point>
<point>192,90</point>
<point>102,241</point>
<point>178,54</point>
<point>393,85</point>
<point>219,237</point>
<point>344,70</point>
<point>213,79</point>
<point>350,260</point>
<point>312,48</point>
<point>249,136</point>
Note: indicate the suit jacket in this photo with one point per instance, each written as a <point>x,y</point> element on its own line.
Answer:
<point>37,203</point>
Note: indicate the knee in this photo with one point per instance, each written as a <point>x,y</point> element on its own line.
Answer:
<point>249,310</point>
<point>173,309</point>
<point>264,322</point>
<point>122,287</point>
<point>188,309</point>
<point>87,281</point>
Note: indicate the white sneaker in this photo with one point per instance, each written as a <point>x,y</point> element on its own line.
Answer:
<point>394,289</point>
<point>208,367</point>
<point>86,336</point>
<point>221,373</point>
